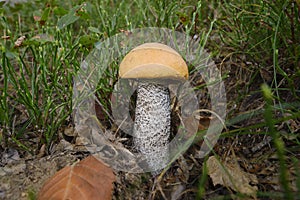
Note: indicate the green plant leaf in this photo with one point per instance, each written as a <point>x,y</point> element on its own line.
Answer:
<point>60,11</point>
<point>45,15</point>
<point>2,3</point>
<point>39,39</point>
<point>69,18</point>
<point>83,14</point>
<point>94,30</point>
<point>87,40</point>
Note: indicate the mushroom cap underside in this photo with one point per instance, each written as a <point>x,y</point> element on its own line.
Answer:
<point>153,60</point>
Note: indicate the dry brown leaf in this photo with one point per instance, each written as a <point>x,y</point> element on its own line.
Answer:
<point>20,41</point>
<point>229,174</point>
<point>88,179</point>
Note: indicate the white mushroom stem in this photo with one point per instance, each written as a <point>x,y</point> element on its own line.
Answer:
<point>152,124</point>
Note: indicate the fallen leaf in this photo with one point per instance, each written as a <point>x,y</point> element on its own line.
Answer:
<point>36,18</point>
<point>70,131</point>
<point>88,179</point>
<point>9,156</point>
<point>229,174</point>
<point>5,37</point>
<point>42,151</point>
<point>19,41</point>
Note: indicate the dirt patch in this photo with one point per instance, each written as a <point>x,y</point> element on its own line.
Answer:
<point>22,178</point>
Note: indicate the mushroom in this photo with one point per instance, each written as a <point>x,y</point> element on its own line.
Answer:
<point>153,65</point>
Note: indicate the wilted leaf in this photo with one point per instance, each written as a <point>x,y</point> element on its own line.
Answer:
<point>229,174</point>
<point>20,41</point>
<point>89,179</point>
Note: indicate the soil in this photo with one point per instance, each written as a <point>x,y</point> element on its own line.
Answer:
<point>22,178</point>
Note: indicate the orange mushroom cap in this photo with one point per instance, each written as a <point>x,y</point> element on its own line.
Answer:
<point>153,61</point>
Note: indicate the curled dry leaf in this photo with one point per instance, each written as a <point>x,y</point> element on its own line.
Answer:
<point>229,174</point>
<point>19,41</point>
<point>88,179</point>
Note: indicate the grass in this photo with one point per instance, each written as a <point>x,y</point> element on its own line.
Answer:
<point>259,39</point>
<point>278,142</point>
